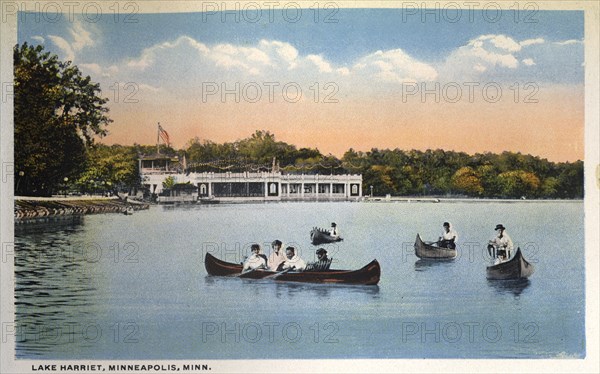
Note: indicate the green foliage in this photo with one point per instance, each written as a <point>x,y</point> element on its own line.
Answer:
<point>169,182</point>
<point>517,183</point>
<point>57,114</point>
<point>114,165</point>
<point>438,172</point>
<point>467,181</point>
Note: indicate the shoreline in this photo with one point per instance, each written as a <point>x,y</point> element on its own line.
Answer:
<point>35,208</point>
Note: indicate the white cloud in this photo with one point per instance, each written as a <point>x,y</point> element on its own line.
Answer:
<point>179,67</point>
<point>94,68</point>
<point>485,55</point>
<point>395,65</point>
<point>38,38</point>
<point>493,49</point>
<point>480,68</point>
<point>147,87</point>
<point>528,42</point>
<point>502,42</point>
<point>343,71</point>
<point>283,51</point>
<point>81,37</point>
<point>528,62</point>
<point>568,42</point>
<point>324,66</point>
<point>64,46</point>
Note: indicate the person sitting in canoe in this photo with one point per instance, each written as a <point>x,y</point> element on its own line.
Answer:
<point>322,264</point>
<point>292,262</point>
<point>448,238</point>
<point>255,261</point>
<point>334,232</point>
<point>277,256</point>
<point>500,247</point>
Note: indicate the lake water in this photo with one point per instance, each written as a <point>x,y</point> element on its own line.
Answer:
<point>112,286</point>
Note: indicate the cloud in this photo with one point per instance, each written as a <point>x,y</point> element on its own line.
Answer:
<point>38,38</point>
<point>395,66</point>
<point>528,62</point>
<point>94,68</point>
<point>323,65</point>
<point>64,46</point>
<point>502,58</point>
<point>527,42</point>
<point>80,38</point>
<point>180,67</point>
<point>502,42</point>
<point>569,42</point>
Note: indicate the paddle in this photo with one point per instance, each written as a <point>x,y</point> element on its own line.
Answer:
<point>276,275</point>
<point>251,271</point>
<point>244,274</point>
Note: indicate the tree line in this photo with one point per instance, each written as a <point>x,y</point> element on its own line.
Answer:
<point>59,113</point>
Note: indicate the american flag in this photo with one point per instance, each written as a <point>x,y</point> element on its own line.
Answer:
<point>164,135</point>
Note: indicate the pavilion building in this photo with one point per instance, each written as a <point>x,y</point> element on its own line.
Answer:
<point>274,185</point>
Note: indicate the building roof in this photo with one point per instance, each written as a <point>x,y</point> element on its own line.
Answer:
<point>157,156</point>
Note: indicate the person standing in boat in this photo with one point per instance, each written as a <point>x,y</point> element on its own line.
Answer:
<point>277,256</point>
<point>293,261</point>
<point>448,238</point>
<point>334,232</point>
<point>500,247</point>
<point>255,261</point>
<point>323,262</point>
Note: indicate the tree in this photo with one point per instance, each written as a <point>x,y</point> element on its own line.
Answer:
<point>115,165</point>
<point>517,183</point>
<point>466,180</point>
<point>169,182</point>
<point>57,112</point>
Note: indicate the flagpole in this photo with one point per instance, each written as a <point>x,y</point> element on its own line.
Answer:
<point>158,139</point>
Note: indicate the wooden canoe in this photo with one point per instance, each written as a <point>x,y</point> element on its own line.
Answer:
<point>367,275</point>
<point>423,250</point>
<point>320,236</point>
<point>515,268</point>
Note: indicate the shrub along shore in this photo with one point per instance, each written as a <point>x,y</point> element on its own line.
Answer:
<point>31,208</point>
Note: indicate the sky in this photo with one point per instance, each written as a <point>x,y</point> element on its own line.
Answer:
<point>336,79</point>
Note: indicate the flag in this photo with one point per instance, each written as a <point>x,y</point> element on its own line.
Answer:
<point>164,135</point>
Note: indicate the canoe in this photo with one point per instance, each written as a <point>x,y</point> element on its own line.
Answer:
<point>515,268</point>
<point>367,275</point>
<point>423,250</point>
<point>320,236</point>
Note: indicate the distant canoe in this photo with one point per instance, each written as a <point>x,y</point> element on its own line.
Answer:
<point>515,268</point>
<point>433,252</point>
<point>320,236</point>
<point>367,275</point>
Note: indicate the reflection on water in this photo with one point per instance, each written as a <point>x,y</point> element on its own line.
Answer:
<point>290,289</point>
<point>69,223</point>
<point>424,264</point>
<point>514,286</point>
<point>53,287</point>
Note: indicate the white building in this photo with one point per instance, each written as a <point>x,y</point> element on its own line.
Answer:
<point>246,186</point>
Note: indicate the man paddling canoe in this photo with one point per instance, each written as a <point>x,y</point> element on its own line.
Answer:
<point>500,247</point>
<point>448,238</point>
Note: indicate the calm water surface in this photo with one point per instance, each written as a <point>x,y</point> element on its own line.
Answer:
<point>134,287</point>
